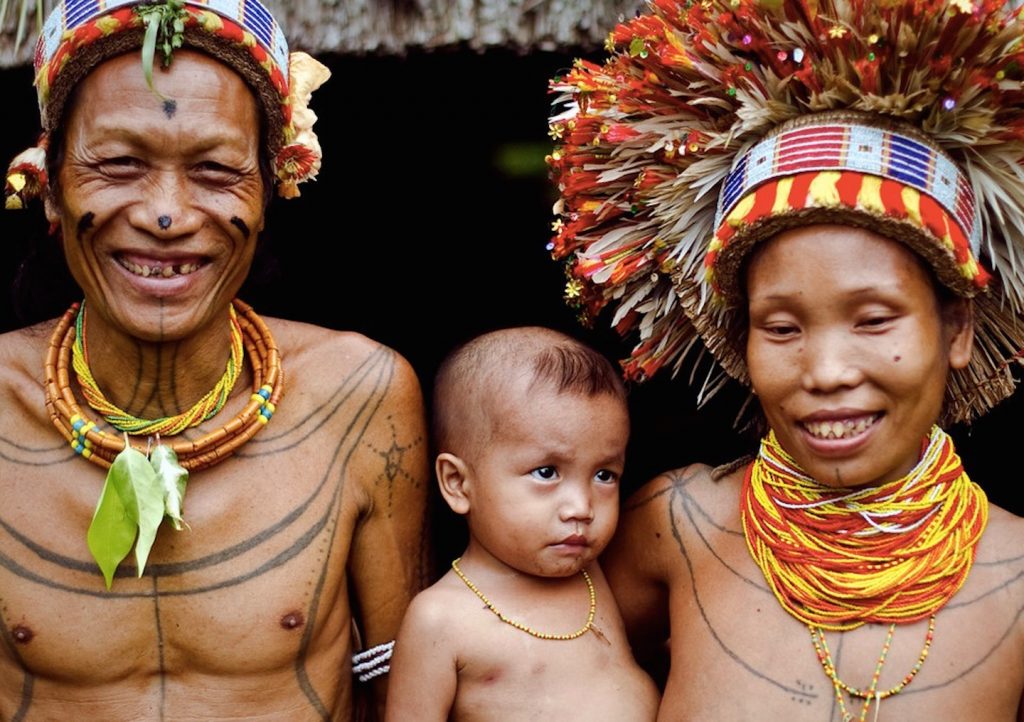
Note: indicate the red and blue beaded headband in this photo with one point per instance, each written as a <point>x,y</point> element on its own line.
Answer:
<point>713,125</point>
<point>872,176</point>
<point>250,15</point>
<point>75,27</point>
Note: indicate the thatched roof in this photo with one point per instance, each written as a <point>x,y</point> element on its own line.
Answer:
<point>396,26</point>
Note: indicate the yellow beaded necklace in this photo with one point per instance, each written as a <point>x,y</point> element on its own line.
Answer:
<point>206,408</point>
<point>524,628</point>
<point>871,695</point>
<point>839,558</point>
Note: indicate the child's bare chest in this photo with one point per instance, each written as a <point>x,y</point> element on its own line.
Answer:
<point>509,675</point>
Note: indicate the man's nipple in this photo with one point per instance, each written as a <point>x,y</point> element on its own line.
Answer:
<point>22,634</point>
<point>292,620</point>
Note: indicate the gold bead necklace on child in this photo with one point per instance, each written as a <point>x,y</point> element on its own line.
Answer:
<point>529,630</point>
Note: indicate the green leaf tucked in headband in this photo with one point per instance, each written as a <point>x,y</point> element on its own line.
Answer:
<point>165,27</point>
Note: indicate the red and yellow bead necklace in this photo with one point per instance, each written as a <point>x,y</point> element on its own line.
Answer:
<point>840,558</point>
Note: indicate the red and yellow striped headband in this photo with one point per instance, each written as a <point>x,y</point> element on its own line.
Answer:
<point>833,168</point>
<point>243,34</point>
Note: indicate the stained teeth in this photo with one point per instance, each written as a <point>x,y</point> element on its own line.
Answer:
<point>164,271</point>
<point>839,429</point>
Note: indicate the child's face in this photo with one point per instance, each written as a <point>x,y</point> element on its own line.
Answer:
<point>848,351</point>
<point>544,488</point>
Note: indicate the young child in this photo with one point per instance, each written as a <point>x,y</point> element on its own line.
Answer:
<point>531,427</point>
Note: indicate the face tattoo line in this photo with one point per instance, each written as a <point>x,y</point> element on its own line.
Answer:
<point>240,225</point>
<point>84,224</point>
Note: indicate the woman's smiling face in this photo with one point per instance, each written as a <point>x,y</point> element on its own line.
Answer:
<point>849,349</point>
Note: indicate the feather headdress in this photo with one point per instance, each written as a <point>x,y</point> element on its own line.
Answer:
<point>714,124</point>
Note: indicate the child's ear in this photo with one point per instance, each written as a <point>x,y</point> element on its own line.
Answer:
<point>453,478</point>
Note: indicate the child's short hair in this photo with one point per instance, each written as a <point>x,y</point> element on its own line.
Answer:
<point>467,376</point>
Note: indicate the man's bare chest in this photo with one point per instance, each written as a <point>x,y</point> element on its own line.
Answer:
<point>261,566</point>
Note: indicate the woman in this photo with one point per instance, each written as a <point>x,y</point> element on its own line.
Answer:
<point>824,194</point>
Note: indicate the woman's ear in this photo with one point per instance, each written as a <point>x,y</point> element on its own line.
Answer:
<point>453,479</point>
<point>958,317</point>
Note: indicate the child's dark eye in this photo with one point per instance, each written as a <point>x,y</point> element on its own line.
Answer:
<point>606,476</point>
<point>545,473</point>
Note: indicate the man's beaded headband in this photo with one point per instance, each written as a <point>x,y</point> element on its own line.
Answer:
<point>249,16</point>
<point>80,34</point>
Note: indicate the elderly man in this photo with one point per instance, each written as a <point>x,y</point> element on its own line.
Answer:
<point>300,538</point>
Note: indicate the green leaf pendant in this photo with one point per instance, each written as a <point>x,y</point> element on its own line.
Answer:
<point>111,532</point>
<point>173,478</point>
<point>136,495</point>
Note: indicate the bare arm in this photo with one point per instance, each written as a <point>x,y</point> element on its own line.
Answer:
<point>389,557</point>
<point>634,564</point>
<point>423,670</point>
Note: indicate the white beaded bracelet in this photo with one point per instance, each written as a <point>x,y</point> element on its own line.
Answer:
<point>372,662</point>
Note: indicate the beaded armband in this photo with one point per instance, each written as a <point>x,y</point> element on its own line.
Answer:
<point>372,662</point>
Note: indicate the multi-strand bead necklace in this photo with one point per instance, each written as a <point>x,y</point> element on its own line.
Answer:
<point>100,447</point>
<point>839,558</point>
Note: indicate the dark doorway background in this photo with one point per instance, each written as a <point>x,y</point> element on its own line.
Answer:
<point>433,200</point>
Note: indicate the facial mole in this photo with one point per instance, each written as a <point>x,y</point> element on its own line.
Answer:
<point>240,225</point>
<point>85,223</point>
<point>22,635</point>
<point>292,620</point>
<point>170,107</point>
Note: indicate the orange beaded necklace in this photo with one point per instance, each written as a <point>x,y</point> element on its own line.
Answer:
<point>100,447</point>
<point>839,558</point>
